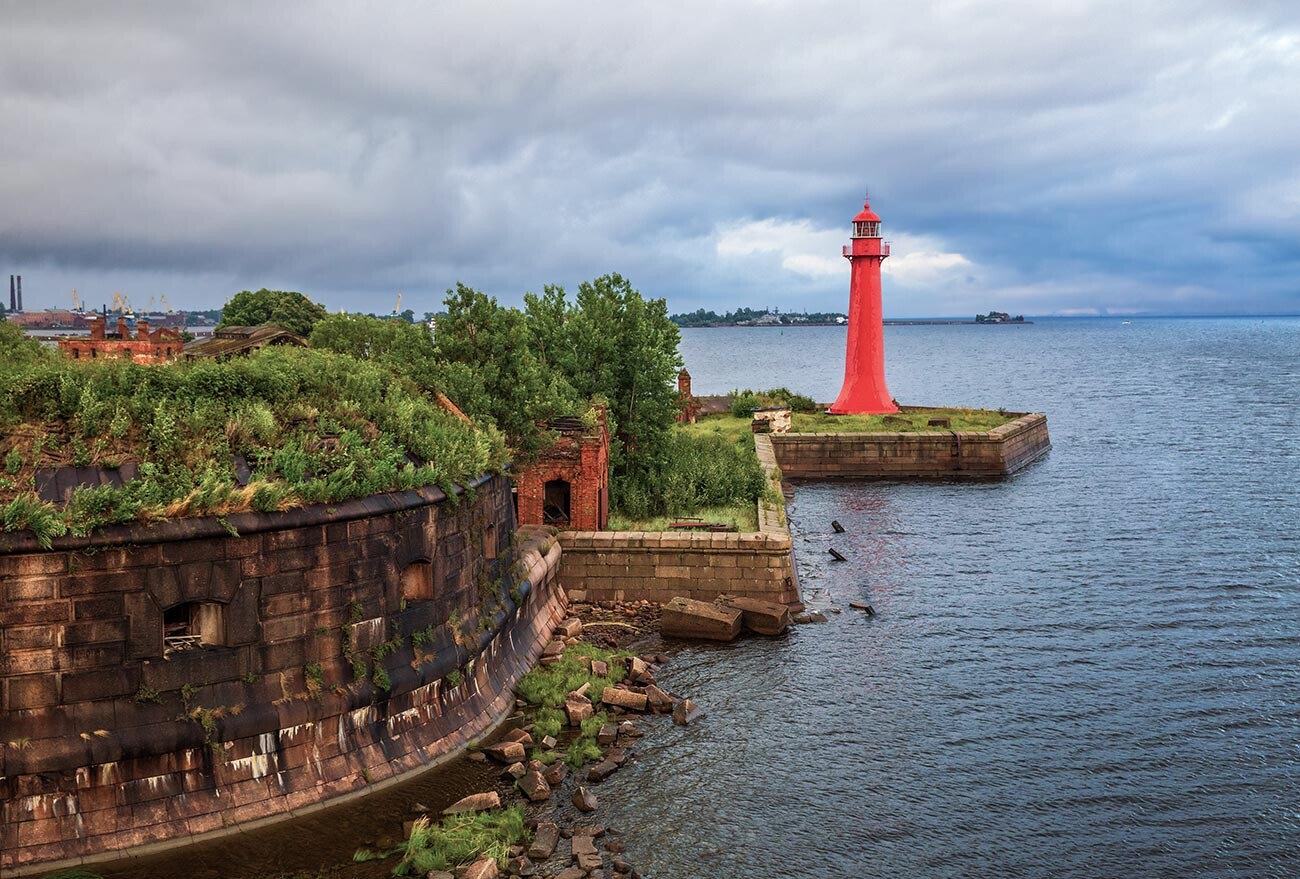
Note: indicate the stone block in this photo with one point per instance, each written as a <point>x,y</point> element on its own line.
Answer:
<point>761,617</point>
<point>687,618</point>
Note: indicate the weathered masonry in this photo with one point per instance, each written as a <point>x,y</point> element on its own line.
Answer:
<point>165,682</point>
<point>936,454</point>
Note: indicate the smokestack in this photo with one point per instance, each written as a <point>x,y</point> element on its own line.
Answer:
<point>20,292</point>
<point>13,303</point>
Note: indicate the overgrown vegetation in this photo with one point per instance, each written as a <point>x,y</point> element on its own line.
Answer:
<point>746,401</point>
<point>457,840</point>
<point>545,687</point>
<point>312,426</point>
<point>696,471</point>
<point>283,308</point>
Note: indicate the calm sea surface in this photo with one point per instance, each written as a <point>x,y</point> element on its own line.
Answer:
<point>1089,670</point>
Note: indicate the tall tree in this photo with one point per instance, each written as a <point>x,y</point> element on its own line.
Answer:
<point>614,343</point>
<point>491,368</point>
<point>281,308</point>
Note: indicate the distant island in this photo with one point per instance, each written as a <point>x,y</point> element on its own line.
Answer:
<point>751,317</point>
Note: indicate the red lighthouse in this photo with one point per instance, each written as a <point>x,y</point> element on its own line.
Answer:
<point>864,391</point>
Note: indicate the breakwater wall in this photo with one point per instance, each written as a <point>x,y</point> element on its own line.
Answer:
<point>935,454</point>
<point>163,683</point>
<point>659,566</point>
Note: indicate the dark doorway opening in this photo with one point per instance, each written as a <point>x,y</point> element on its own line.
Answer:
<point>555,503</point>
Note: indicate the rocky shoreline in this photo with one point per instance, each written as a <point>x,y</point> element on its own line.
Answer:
<point>562,800</point>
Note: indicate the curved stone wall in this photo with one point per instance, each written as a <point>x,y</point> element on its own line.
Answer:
<point>355,644</point>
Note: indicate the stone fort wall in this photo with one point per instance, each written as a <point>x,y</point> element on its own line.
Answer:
<point>936,454</point>
<point>356,643</point>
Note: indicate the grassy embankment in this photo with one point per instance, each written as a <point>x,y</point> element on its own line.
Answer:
<point>456,840</point>
<point>545,687</point>
<point>312,426</point>
<point>917,420</point>
<point>708,475</point>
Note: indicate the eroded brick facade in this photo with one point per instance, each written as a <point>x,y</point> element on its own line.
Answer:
<point>345,646</point>
<point>567,486</point>
<point>146,346</point>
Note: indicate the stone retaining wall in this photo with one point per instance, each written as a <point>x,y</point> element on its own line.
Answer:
<point>659,566</point>
<point>360,643</point>
<point>936,454</point>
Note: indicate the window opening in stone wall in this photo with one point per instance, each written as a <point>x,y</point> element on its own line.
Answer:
<point>417,581</point>
<point>192,625</point>
<point>490,541</point>
<point>555,503</point>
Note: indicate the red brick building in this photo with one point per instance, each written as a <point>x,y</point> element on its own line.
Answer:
<point>157,346</point>
<point>568,484</point>
<point>687,403</point>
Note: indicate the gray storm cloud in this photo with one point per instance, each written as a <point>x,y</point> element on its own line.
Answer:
<point>1038,157</point>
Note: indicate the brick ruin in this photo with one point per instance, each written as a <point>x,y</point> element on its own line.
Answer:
<point>146,346</point>
<point>567,485</point>
<point>191,677</point>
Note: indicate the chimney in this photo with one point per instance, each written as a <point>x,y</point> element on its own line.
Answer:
<point>142,328</point>
<point>13,302</point>
<point>684,382</point>
<point>20,292</point>
<point>121,327</point>
<point>97,327</point>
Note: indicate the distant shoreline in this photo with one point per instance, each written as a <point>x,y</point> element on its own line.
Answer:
<point>887,322</point>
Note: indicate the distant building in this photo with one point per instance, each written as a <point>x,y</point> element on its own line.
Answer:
<point>999,317</point>
<point>146,346</point>
<point>53,319</point>
<point>241,341</point>
<point>767,320</point>
<point>568,484</point>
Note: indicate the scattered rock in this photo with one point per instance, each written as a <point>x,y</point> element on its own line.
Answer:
<point>439,874</point>
<point>863,606</point>
<point>571,873</point>
<point>548,742</point>
<point>599,669</point>
<point>552,652</point>
<point>686,712</point>
<point>615,846</point>
<point>569,628</point>
<point>584,800</point>
<point>660,659</point>
<point>477,756</point>
<point>617,756</point>
<point>658,701</point>
<point>761,617</point>
<point>556,773</point>
<point>585,854</point>
<point>506,752</point>
<point>578,708</point>
<point>601,771</point>
<point>483,868</point>
<point>607,735</point>
<point>520,866</point>
<point>621,866</point>
<point>809,617</point>
<point>687,618</point>
<point>638,670</point>
<point>474,803</point>
<point>629,729</point>
<point>515,771</point>
<point>535,787</point>
<point>545,839</point>
<point>518,735</point>
<point>624,699</point>
<point>595,831</point>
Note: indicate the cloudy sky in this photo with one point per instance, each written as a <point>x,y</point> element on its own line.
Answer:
<point>1046,158</point>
